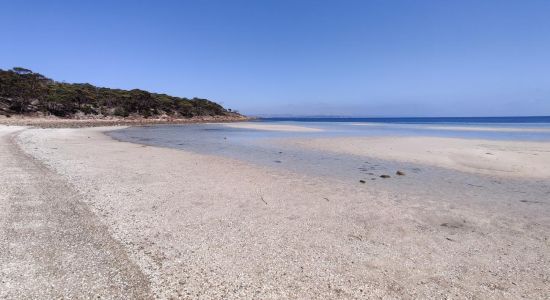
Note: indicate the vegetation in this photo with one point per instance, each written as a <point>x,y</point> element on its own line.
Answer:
<point>24,92</point>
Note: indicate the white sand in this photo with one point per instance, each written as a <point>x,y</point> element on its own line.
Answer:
<point>208,227</point>
<point>458,128</point>
<point>489,129</point>
<point>270,127</point>
<point>503,158</point>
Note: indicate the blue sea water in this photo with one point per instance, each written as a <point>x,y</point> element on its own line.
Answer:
<point>421,120</point>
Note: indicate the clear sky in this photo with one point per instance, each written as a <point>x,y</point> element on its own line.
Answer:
<point>291,57</point>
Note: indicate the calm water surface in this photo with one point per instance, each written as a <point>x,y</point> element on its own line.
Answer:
<point>264,147</point>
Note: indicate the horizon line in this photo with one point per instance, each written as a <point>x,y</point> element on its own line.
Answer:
<point>385,117</point>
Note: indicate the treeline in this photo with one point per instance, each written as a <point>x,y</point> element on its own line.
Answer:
<point>25,92</point>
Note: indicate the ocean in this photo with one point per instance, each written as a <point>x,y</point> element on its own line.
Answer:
<point>421,120</point>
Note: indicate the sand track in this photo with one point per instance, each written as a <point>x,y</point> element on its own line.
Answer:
<point>52,246</point>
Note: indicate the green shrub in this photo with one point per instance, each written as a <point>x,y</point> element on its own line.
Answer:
<point>22,86</point>
<point>121,112</point>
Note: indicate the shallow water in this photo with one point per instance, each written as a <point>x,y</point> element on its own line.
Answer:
<point>264,148</point>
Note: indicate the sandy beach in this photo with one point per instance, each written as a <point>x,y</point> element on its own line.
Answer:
<point>85,215</point>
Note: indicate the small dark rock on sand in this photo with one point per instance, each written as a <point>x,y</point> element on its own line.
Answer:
<point>385,176</point>
<point>452,225</point>
<point>530,201</point>
<point>362,181</point>
<point>400,173</point>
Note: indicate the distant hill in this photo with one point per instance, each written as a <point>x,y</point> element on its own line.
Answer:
<point>23,92</point>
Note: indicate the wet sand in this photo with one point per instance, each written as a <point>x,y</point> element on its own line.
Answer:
<point>491,157</point>
<point>53,246</point>
<point>206,226</point>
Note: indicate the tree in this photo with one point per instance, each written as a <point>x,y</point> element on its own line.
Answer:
<point>24,92</point>
<point>22,71</point>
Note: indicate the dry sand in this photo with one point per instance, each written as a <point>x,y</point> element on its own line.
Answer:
<point>502,158</point>
<point>490,129</point>
<point>458,128</point>
<point>271,127</point>
<point>199,226</point>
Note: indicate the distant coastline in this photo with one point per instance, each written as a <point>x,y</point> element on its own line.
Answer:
<point>415,120</point>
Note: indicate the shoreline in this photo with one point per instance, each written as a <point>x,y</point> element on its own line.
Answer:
<point>274,127</point>
<point>82,123</point>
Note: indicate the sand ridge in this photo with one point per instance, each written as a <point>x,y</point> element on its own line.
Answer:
<point>456,127</point>
<point>491,157</point>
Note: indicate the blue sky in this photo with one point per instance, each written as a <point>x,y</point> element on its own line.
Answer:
<point>355,58</point>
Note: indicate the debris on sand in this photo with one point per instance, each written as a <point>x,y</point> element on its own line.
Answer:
<point>452,225</point>
<point>530,201</point>
<point>385,176</point>
<point>362,181</point>
<point>400,173</point>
